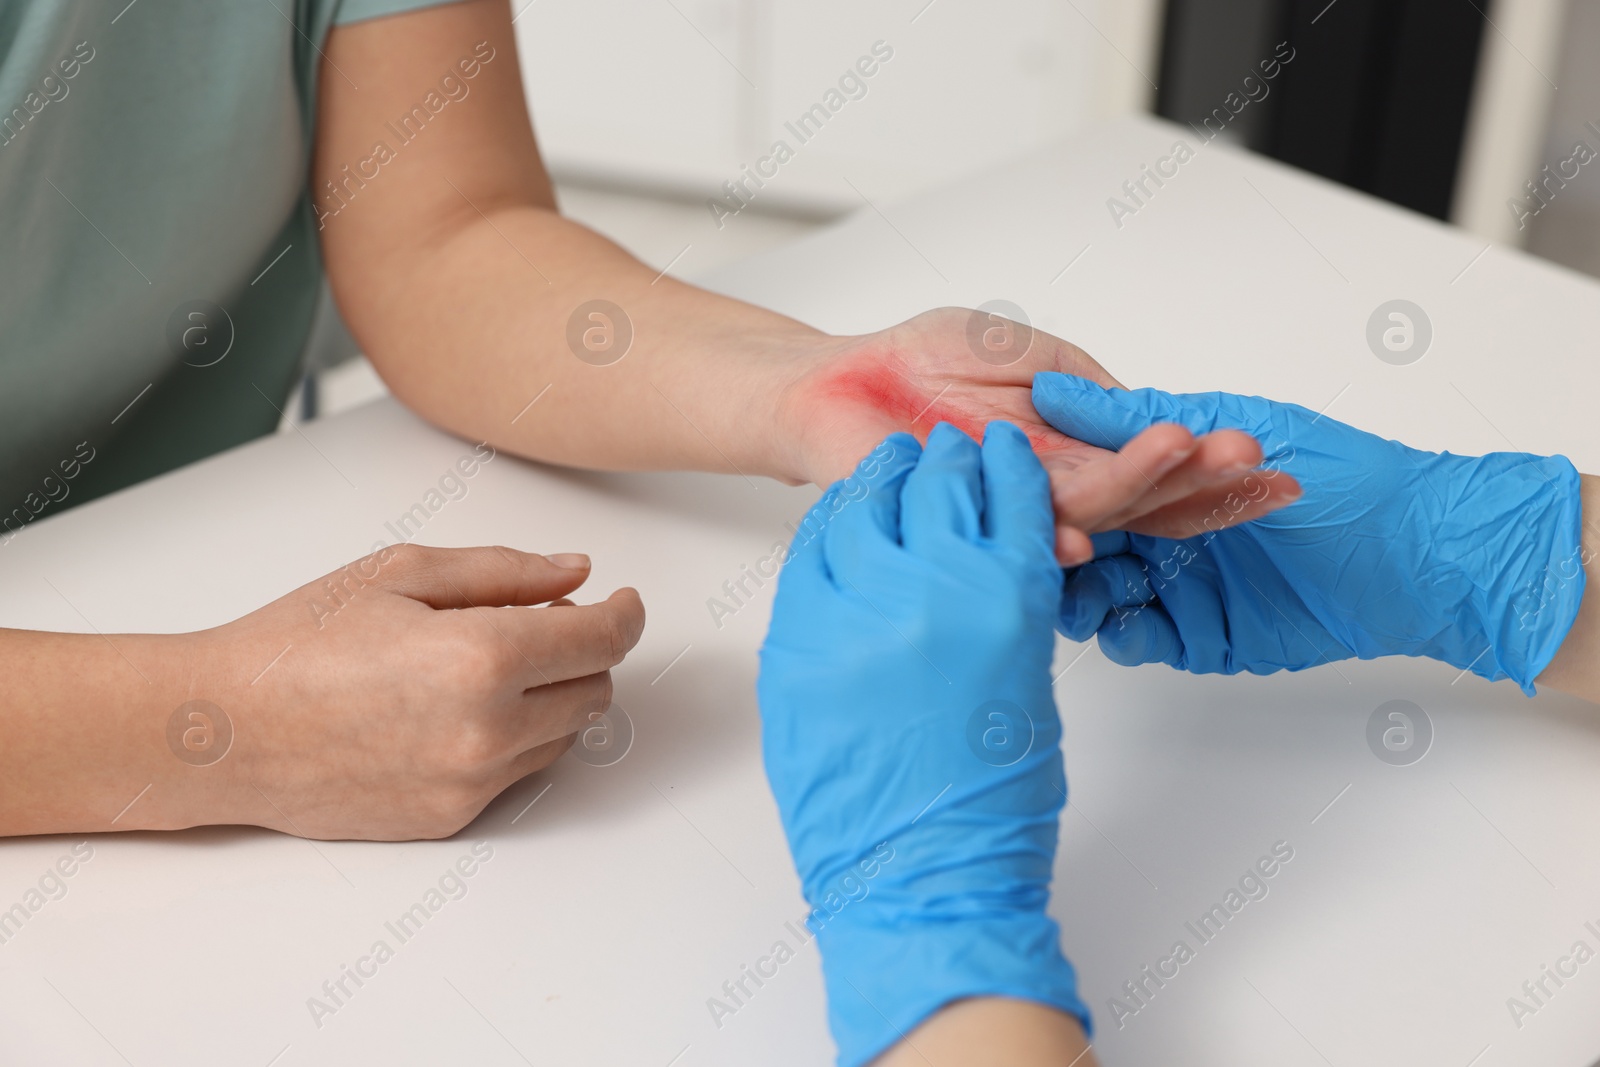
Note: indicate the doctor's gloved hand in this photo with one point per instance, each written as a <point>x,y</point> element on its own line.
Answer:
<point>1473,560</point>
<point>911,737</point>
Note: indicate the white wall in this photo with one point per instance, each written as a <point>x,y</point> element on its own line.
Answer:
<point>676,95</point>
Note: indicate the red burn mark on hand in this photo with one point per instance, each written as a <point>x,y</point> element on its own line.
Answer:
<point>918,412</point>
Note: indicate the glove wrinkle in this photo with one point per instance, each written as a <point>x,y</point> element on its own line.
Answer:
<point>1391,551</point>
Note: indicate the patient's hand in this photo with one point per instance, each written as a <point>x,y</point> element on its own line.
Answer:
<point>924,371</point>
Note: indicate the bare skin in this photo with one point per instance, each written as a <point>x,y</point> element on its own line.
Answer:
<point>1576,668</point>
<point>459,277</point>
<point>993,1032</point>
<point>464,308</point>
<point>398,713</point>
<point>912,376</point>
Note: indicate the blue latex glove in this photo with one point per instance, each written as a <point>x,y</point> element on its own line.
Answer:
<point>911,736</point>
<point>1473,560</point>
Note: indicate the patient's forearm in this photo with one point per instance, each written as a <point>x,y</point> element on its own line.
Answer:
<point>83,734</point>
<point>993,1032</point>
<point>1576,668</point>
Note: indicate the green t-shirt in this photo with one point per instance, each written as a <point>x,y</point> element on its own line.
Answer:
<point>158,255</point>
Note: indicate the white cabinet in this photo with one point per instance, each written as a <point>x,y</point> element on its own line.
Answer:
<point>682,96</point>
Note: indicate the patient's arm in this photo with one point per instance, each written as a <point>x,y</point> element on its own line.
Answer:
<point>484,268</point>
<point>1576,668</point>
<point>993,1032</point>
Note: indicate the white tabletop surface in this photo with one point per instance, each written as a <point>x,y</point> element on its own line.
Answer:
<point>1419,897</point>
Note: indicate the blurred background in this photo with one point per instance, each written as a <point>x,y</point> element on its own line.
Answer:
<point>1482,113</point>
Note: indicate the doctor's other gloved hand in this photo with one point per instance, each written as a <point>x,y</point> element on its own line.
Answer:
<point>1473,560</point>
<point>911,737</point>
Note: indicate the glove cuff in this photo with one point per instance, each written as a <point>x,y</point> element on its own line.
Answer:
<point>1543,605</point>
<point>885,978</point>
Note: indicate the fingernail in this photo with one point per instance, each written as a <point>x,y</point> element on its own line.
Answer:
<point>572,561</point>
<point>1238,469</point>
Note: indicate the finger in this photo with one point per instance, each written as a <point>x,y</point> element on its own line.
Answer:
<point>1075,547</point>
<point>943,495</point>
<point>1110,418</point>
<point>491,576</point>
<point>803,563</point>
<point>1087,411</point>
<point>537,759</point>
<point>1242,500</point>
<point>546,647</point>
<point>1094,590</point>
<point>876,484</point>
<point>1142,635</point>
<point>1219,459</point>
<point>1017,491</point>
<point>564,602</point>
<point>1084,496</point>
<point>1110,543</point>
<point>866,516</point>
<point>553,712</point>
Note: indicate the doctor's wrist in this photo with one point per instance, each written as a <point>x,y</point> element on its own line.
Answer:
<point>885,978</point>
<point>1528,623</point>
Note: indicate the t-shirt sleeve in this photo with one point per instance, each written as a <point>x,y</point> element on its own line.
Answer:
<point>349,11</point>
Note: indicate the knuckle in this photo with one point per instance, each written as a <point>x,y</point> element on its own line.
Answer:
<point>368,568</point>
<point>478,657</point>
<point>493,657</point>
<point>407,558</point>
<point>473,746</point>
<point>1071,355</point>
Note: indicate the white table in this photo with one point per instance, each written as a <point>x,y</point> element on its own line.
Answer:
<point>1419,897</point>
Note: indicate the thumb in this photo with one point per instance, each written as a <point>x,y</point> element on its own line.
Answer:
<point>491,576</point>
<point>1092,592</point>
<point>1110,418</point>
<point>1142,635</point>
